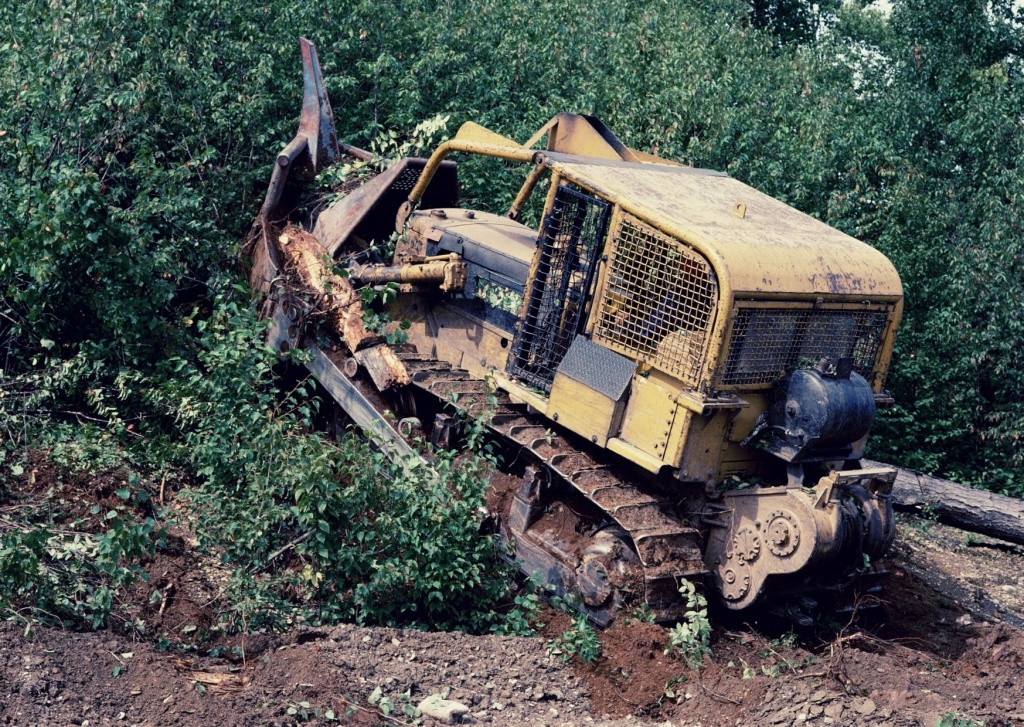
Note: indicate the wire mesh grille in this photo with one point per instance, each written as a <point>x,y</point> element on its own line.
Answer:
<point>572,238</point>
<point>406,179</point>
<point>658,302</point>
<point>766,343</point>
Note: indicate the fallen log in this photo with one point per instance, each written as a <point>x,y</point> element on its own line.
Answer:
<point>304,256</point>
<point>963,507</point>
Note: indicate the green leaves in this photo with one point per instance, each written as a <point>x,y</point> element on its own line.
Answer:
<point>136,143</point>
<point>691,638</point>
<point>379,544</point>
<point>65,572</point>
<point>580,640</point>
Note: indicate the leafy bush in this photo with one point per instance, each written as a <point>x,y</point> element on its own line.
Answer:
<point>364,539</point>
<point>523,619</point>
<point>58,565</point>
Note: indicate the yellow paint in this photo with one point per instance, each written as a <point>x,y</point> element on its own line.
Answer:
<point>760,251</point>
<point>579,408</point>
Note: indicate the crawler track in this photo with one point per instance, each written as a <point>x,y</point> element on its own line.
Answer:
<point>668,548</point>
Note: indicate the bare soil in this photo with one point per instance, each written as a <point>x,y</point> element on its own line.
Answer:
<point>948,643</point>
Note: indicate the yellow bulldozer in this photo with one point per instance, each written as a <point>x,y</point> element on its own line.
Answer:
<point>681,370</point>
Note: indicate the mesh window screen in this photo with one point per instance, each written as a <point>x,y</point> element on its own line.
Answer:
<point>659,300</point>
<point>766,343</point>
<point>556,299</point>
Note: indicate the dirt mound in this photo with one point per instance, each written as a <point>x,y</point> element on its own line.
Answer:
<point>71,678</point>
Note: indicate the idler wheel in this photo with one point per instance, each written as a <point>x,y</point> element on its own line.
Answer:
<point>607,563</point>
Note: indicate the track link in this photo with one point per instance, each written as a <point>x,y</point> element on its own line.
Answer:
<point>668,548</point>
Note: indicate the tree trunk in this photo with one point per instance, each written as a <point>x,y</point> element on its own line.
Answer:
<point>958,505</point>
<point>304,255</point>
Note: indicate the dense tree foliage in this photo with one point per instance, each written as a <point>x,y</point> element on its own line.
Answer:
<point>136,138</point>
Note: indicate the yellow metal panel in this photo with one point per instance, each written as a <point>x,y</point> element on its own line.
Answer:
<point>574,134</point>
<point>471,131</point>
<point>650,413</point>
<point>700,445</point>
<point>519,393</point>
<point>453,335</point>
<point>635,455</point>
<point>583,410</point>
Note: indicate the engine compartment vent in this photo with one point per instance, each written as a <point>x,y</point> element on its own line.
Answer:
<point>768,342</point>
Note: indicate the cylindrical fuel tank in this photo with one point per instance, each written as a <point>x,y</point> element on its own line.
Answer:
<point>823,409</point>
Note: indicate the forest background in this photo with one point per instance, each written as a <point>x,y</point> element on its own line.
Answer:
<point>136,140</point>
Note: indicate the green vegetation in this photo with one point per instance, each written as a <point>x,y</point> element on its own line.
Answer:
<point>135,144</point>
<point>953,719</point>
<point>64,559</point>
<point>578,640</point>
<point>692,637</point>
<point>523,619</point>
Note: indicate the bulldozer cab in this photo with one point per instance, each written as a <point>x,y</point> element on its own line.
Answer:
<point>663,304</point>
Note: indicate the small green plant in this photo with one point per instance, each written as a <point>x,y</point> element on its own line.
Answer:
<point>953,719</point>
<point>691,638</point>
<point>376,317</point>
<point>748,671</point>
<point>301,711</point>
<point>381,701</point>
<point>776,661</point>
<point>641,614</point>
<point>671,690</point>
<point>580,640</point>
<point>523,619</point>
<point>388,706</point>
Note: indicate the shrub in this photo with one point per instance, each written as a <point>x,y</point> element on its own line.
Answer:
<point>363,538</point>
<point>62,566</point>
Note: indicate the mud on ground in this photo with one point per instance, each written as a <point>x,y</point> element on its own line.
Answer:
<point>949,644</point>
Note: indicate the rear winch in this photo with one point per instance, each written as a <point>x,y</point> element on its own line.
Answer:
<point>768,532</point>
